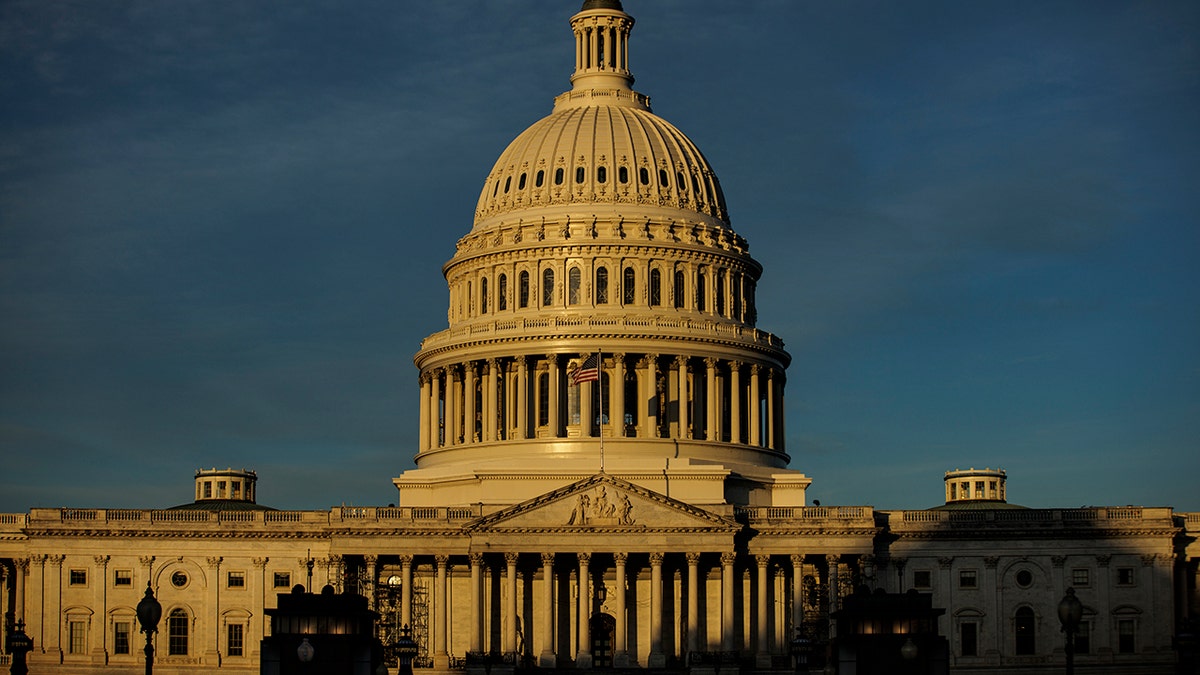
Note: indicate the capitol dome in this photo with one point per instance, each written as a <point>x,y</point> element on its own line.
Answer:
<point>601,244</point>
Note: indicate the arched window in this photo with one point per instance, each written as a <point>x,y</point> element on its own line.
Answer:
<point>573,284</point>
<point>521,182</point>
<point>678,294</point>
<point>623,175</point>
<point>502,292</point>
<point>701,288</point>
<point>601,174</point>
<point>680,181</point>
<point>643,176</point>
<point>579,174</point>
<point>558,176</point>
<point>483,296</point>
<point>663,179</point>
<point>1025,628</point>
<point>601,285</point>
<point>470,300</point>
<point>547,288</point>
<point>628,286</point>
<point>737,295</point>
<point>655,288</point>
<point>523,290</point>
<point>541,178</point>
<point>507,184</point>
<point>177,632</point>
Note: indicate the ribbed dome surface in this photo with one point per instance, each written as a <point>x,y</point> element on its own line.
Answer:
<point>601,154</point>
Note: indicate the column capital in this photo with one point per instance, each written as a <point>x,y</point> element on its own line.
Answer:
<point>585,558</point>
<point>647,360</point>
<point>833,558</point>
<point>442,560</point>
<point>261,563</point>
<point>146,559</point>
<point>1147,559</point>
<point>728,558</point>
<point>735,365</point>
<point>476,559</point>
<point>370,559</point>
<point>945,562</point>
<point>620,558</point>
<point>21,565</point>
<point>1103,559</point>
<point>755,369</point>
<point>406,560</point>
<point>797,559</point>
<point>762,560</point>
<point>56,560</point>
<point>992,561</point>
<point>102,560</point>
<point>618,357</point>
<point>693,558</point>
<point>214,561</point>
<point>899,563</point>
<point>511,558</point>
<point>680,361</point>
<point>711,361</point>
<point>656,559</point>
<point>547,558</point>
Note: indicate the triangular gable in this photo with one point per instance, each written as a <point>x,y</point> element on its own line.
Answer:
<point>602,502</point>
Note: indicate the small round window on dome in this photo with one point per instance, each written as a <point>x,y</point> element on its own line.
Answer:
<point>179,579</point>
<point>1024,578</point>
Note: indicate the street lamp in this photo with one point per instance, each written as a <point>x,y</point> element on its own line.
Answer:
<point>149,611</point>
<point>1070,611</point>
<point>18,644</point>
<point>800,648</point>
<point>406,650</point>
<point>305,651</point>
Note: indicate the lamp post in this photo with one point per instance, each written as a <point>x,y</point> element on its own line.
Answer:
<point>149,611</point>
<point>406,650</point>
<point>18,644</point>
<point>1070,611</point>
<point>800,648</point>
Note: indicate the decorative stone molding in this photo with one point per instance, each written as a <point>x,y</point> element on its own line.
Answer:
<point>945,562</point>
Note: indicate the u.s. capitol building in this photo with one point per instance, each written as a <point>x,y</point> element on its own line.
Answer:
<point>601,478</point>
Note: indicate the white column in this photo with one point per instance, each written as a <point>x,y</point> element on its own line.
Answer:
<point>435,414</point>
<point>441,657</point>
<point>657,658</point>
<point>710,408</point>
<point>685,428</point>
<point>510,603</point>
<point>621,648</point>
<point>693,600</point>
<point>547,658</point>
<point>522,397</point>
<point>406,581</point>
<point>584,658</point>
<point>755,407</point>
<point>476,602</point>
<point>587,401</point>
<point>469,402</point>
<point>616,396</point>
<point>453,405</point>
<point>762,654</point>
<point>735,402</point>
<point>797,591</point>
<point>727,600</point>
<point>371,562</point>
<point>771,402</point>
<point>647,424</point>
<point>491,402</point>
<point>424,426</point>
<point>555,426</point>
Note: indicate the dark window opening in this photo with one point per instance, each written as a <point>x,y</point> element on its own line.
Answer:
<point>502,290</point>
<point>601,174</point>
<point>507,184</point>
<point>968,639</point>
<point>558,176</point>
<point>483,296</point>
<point>1024,626</point>
<point>573,286</point>
<point>539,179</point>
<point>679,289</point>
<point>663,179</point>
<point>644,176</point>
<point>547,288</point>
<point>579,174</point>
<point>628,286</point>
<point>523,290</point>
<point>655,288</point>
<point>601,285</point>
<point>521,182</point>
<point>623,175</point>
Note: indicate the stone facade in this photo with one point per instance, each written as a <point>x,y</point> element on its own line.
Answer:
<point>601,475</point>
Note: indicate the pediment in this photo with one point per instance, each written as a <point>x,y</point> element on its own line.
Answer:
<point>602,503</point>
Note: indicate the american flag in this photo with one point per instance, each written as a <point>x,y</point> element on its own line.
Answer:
<point>588,371</point>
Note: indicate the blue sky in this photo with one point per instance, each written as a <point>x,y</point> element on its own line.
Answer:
<point>222,226</point>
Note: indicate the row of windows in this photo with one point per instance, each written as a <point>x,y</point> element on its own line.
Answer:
<point>205,490</point>
<point>964,488</point>
<point>1080,577</point>
<point>124,577</point>
<point>699,300</point>
<point>1025,635</point>
<point>178,626</point>
<point>580,176</point>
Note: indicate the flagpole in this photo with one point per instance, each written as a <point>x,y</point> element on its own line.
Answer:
<point>600,394</point>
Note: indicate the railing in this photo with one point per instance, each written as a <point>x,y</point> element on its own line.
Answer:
<point>679,327</point>
<point>769,513</point>
<point>1093,516</point>
<point>404,513</point>
<point>13,519</point>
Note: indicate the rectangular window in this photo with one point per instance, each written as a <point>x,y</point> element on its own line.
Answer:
<point>237,579</point>
<point>177,633</point>
<point>979,489</point>
<point>235,490</point>
<point>123,578</point>
<point>283,580</point>
<point>1083,638</point>
<point>1081,577</point>
<point>233,643</point>
<point>968,638</point>
<point>923,579</point>
<point>1124,576</point>
<point>78,577</point>
<point>967,579</point>
<point>121,637</point>
<point>1125,634</point>
<point>953,491</point>
<point>208,489</point>
<point>966,490</point>
<point>77,637</point>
